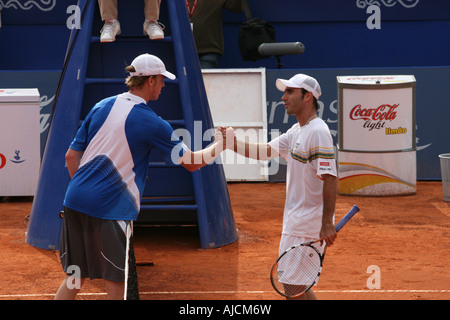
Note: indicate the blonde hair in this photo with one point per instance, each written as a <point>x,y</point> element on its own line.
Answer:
<point>134,82</point>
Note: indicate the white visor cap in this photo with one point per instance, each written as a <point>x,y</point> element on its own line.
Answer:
<point>150,65</point>
<point>300,81</point>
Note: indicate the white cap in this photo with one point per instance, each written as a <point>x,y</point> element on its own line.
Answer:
<point>150,65</point>
<point>301,81</point>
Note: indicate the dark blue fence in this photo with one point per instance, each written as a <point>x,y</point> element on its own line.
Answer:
<point>413,38</point>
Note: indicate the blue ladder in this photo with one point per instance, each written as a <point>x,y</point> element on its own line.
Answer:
<point>93,71</point>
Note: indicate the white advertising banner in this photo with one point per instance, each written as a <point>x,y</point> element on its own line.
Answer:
<point>377,113</point>
<point>248,88</point>
<point>377,174</point>
<point>376,135</point>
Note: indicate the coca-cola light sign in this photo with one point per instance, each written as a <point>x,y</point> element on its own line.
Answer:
<point>376,115</point>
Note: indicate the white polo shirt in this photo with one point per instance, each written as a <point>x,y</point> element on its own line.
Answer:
<point>309,153</point>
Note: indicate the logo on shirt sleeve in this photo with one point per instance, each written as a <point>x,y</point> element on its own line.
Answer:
<point>324,166</point>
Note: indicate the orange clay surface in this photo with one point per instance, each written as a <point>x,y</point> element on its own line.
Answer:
<point>407,238</point>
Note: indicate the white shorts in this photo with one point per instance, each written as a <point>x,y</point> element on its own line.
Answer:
<point>295,272</point>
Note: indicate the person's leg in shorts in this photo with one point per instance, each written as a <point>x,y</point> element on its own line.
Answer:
<point>93,248</point>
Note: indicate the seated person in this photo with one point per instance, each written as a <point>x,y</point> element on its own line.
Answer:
<point>111,28</point>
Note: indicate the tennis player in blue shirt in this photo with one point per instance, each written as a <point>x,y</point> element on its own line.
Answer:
<point>108,162</point>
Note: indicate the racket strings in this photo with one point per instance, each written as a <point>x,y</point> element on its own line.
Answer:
<point>297,270</point>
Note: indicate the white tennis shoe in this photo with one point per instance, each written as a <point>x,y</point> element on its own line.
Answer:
<point>154,30</point>
<point>109,31</point>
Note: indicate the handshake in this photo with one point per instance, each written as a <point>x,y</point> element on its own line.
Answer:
<point>226,137</point>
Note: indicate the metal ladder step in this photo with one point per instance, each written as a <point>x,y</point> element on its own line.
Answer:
<point>89,81</point>
<point>174,207</point>
<point>119,39</point>
<point>168,199</point>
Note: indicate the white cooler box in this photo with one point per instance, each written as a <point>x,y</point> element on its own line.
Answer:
<point>377,135</point>
<point>19,141</point>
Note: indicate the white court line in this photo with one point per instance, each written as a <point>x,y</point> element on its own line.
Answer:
<point>36,295</point>
<point>317,291</point>
<point>383,291</point>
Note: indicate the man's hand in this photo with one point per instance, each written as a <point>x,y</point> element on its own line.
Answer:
<point>328,233</point>
<point>226,136</point>
<point>73,159</point>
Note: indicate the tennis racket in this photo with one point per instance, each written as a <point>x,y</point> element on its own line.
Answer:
<point>298,268</point>
<point>131,291</point>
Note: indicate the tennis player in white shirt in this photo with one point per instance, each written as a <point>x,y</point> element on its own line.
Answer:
<point>311,181</point>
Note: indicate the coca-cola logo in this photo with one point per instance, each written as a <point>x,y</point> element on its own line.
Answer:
<point>2,161</point>
<point>383,112</point>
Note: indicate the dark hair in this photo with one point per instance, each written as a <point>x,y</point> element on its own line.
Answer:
<point>316,105</point>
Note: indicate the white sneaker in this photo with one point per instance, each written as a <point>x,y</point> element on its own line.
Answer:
<point>154,30</point>
<point>109,31</point>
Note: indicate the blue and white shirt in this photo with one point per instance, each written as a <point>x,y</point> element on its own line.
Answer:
<point>116,138</point>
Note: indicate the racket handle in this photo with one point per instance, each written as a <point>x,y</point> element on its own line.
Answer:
<point>347,217</point>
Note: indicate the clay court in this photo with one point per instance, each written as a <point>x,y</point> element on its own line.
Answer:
<point>407,238</point>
